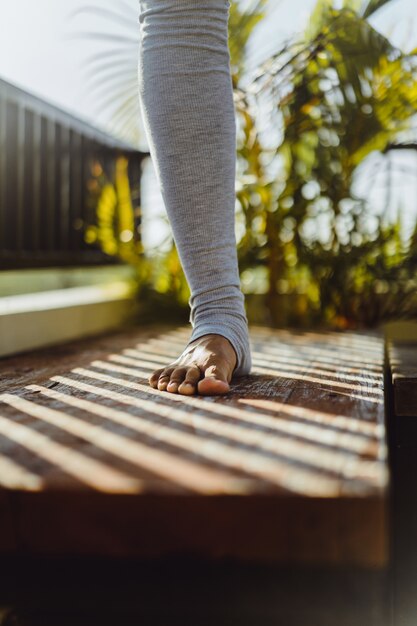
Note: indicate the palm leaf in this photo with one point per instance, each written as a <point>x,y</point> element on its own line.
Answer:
<point>372,6</point>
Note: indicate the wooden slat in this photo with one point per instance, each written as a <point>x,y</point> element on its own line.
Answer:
<point>290,466</point>
<point>403,366</point>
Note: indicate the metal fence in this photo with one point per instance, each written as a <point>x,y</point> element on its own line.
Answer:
<point>47,159</point>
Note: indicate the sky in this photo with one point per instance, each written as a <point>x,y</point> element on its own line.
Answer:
<point>43,50</point>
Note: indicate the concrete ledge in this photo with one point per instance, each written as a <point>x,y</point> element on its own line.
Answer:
<point>44,318</point>
<point>29,281</point>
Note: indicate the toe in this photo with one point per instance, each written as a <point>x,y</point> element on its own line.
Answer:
<point>214,382</point>
<point>212,386</point>
<point>153,378</point>
<point>176,378</point>
<point>189,384</point>
<point>164,378</point>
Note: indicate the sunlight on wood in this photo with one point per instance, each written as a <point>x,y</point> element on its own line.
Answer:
<point>168,466</point>
<point>312,365</point>
<point>296,450</point>
<point>358,427</point>
<point>14,476</point>
<point>85,469</point>
<point>125,360</point>
<point>344,356</point>
<point>313,379</point>
<point>286,475</point>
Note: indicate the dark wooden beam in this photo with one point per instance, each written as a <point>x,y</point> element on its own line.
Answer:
<point>403,365</point>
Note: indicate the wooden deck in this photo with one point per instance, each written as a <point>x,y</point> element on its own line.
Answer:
<point>290,466</point>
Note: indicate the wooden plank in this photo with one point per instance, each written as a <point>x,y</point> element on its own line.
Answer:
<point>290,466</point>
<point>403,365</point>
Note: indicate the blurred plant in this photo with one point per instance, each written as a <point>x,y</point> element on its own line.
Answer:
<point>113,223</point>
<point>341,95</point>
<point>341,101</point>
<point>110,75</point>
<point>114,228</point>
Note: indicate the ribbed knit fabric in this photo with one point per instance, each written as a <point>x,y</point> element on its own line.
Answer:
<point>186,100</point>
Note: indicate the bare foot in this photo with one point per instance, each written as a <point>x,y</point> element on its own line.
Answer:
<point>206,366</point>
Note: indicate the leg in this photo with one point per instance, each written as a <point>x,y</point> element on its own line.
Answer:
<point>186,98</point>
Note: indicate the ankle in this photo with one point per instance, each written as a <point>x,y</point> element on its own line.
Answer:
<point>237,338</point>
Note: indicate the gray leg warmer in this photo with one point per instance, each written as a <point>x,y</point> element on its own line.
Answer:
<point>186,100</point>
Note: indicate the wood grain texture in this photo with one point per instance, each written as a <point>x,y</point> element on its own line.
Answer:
<point>290,466</point>
<point>403,365</point>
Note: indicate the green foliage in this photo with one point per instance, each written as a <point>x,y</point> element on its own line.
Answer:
<point>310,249</point>
<point>111,225</point>
<point>339,97</point>
<point>371,6</point>
<point>241,25</point>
